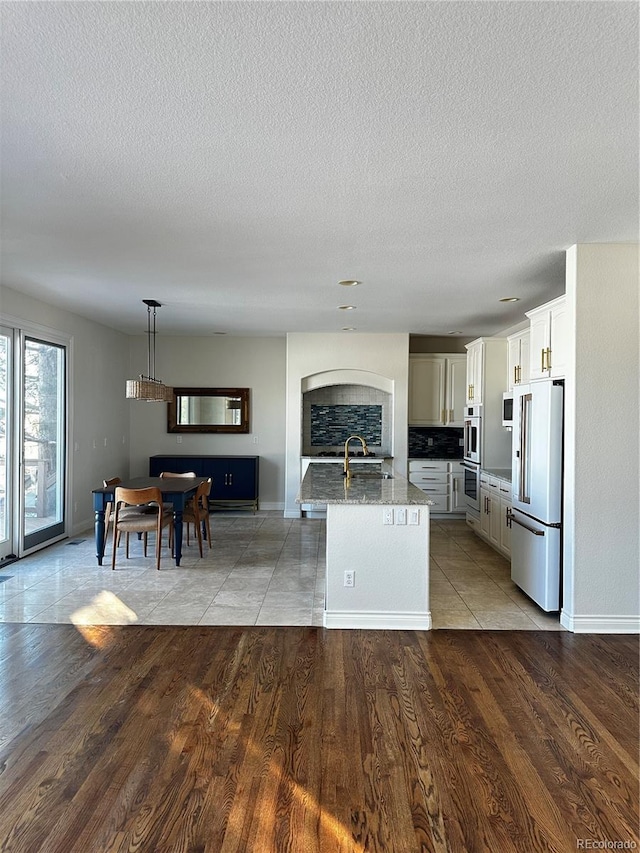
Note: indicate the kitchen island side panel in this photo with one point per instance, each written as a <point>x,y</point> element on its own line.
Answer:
<point>391,566</point>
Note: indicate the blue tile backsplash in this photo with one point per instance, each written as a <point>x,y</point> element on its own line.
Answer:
<point>333,424</point>
<point>331,413</point>
<point>435,443</point>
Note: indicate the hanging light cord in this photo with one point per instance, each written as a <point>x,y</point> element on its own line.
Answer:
<point>151,338</point>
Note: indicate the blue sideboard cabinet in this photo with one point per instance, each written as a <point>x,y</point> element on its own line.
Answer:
<point>234,478</point>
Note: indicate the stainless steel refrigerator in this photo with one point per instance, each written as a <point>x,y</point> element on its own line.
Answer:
<point>536,517</point>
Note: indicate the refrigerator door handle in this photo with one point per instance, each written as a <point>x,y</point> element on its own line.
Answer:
<point>511,518</point>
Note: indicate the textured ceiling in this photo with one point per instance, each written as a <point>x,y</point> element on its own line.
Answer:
<point>234,160</point>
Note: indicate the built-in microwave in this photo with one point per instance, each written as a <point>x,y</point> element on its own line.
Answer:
<point>507,409</point>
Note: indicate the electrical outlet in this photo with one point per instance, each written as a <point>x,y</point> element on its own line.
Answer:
<point>387,516</point>
<point>350,578</point>
<point>429,442</point>
<point>414,515</point>
<point>401,515</point>
<point>178,439</point>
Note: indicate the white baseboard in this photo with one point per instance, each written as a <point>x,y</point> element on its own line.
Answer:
<point>600,624</point>
<point>269,506</point>
<point>292,513</point>
<point>377,621</point>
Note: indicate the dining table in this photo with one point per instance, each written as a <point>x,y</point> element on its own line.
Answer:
<point>175,490</point>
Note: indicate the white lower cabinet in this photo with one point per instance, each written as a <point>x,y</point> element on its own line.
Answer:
<point>441,480</point>
<point>458,503</point>
<point>495,501</point>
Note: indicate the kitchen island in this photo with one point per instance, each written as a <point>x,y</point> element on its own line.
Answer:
<point>377,547</point>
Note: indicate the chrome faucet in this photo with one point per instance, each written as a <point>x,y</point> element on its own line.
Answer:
<point>347,470</point>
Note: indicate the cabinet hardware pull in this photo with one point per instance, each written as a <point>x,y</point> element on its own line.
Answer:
<point>450,414</point>
<point>548,358</point>
<point>444,415</point>
<point>543,353</point>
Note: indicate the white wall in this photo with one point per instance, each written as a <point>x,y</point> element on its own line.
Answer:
<point>602,518</point>
<point>309,354</point>
<point>99,413</point>
<point>216,362</point>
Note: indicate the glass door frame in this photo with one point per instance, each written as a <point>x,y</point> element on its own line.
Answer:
<point>54,528</point>
<point>21,331</point>
<point>8,540</point>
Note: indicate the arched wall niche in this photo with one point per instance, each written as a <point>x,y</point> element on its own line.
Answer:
<point>346,377</point>
<point>337,403</point>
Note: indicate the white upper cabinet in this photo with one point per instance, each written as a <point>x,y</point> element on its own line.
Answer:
<point>475,362</point>
<point>548,343</point>
<point>456,396</point>
<point>519,346</point>
<point>486,371</point>
<point>436,389</point>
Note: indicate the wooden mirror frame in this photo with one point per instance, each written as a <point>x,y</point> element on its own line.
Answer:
<point>172,410</point>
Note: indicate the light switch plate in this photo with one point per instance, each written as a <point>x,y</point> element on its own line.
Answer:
<point>401,515</point>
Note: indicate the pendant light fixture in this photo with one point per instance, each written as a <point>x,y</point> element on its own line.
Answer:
<point>148,387</point>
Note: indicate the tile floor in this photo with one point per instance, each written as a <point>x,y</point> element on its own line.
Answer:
<point>263,569</point>
<point>471,586</point>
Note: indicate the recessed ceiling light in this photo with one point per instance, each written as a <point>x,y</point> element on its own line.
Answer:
<point>219,333</point>
<point>349,282</point>
<point>348,329</point>
<point>346,307</point>
<point>455,333</point>
<point>510,299</point>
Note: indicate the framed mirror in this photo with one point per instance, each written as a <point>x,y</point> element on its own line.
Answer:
<point>209,410</point>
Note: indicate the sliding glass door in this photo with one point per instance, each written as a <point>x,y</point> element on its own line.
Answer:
<point>43,441</point>
<point>33,429</point>
<point>6,430</point>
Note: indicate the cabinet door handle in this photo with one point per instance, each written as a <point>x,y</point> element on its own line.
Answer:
<point>515,374</point>
<point>543,352</point>
<point>548,358</point>
<point>450,414</point>
<point>444,416</point>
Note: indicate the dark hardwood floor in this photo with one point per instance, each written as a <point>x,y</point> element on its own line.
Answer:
<point>309,741</point>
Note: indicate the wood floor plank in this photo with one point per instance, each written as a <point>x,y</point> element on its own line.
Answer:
<point>300,740</point>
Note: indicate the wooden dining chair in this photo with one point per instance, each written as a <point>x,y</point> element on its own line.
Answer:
<point>108,510</point>
<point>154,517</point>
<point>197,513</point>
<point>170,474</point>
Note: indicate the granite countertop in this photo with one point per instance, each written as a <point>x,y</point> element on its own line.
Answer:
<point>324,484</point>
<point>500,473</point>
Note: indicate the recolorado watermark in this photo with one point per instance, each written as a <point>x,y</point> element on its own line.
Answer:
<point>595,844</point>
